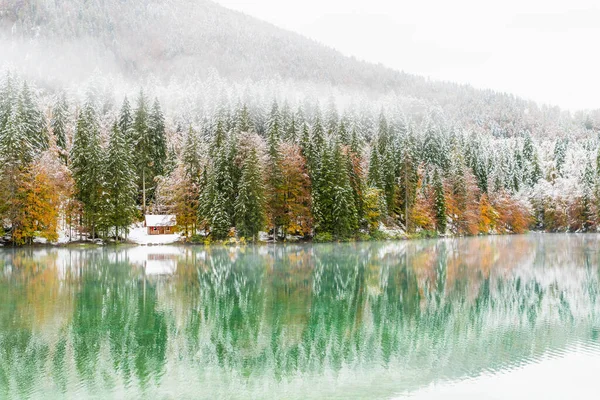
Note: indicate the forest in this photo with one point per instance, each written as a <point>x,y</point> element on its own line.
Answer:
<point>92,167</point>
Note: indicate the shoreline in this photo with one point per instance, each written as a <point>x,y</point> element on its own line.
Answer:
<point>237,242</point>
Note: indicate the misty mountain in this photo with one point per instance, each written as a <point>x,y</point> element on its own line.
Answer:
<point>60,41</point>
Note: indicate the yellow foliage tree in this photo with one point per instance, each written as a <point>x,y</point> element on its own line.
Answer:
<point>38,207</point>
<point>372,207</point>
<point>488,216</point>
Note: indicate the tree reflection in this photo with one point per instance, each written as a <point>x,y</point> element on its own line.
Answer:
<point>245,318</point>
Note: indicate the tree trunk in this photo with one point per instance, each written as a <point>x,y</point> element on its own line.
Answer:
<point>144,191</point>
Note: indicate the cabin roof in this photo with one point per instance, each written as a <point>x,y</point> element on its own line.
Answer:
<point>160,220</point>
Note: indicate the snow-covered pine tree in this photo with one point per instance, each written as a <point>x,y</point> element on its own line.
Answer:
<point>126,123</point>
<point>375,177</point>
<point>86,164</point>
<point>190,156</point>
<point>344,215</point>
<point>275,198</point>
<point>408,178</point>
<point>220,221</point>
<point>59,124</point>
<point>158,140</point>
<point>250,201</point>
<point>120,183</point>
<point>143,149</point>
<point>32,120</point>
<point>439,203</point>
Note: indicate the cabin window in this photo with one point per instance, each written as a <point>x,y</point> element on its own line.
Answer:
<point>167,229</point>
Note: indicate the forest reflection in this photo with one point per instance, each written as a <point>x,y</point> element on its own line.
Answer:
<point>304,320</point>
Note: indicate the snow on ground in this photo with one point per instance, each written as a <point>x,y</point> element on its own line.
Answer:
<point>140,235</point>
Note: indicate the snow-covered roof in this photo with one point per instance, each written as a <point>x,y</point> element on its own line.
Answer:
<point>161,220</point>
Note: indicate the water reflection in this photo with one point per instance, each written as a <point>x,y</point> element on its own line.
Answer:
<point>352,320</point>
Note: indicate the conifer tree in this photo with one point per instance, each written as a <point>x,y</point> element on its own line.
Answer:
<point>191,156</point>
<point>275,199</point>
<point>120,183</point>
<point>250,201</point>
<point>59,122</point>
<point>333,202</point>
<point>217,199</point>
<point>32,120</point>
<point>86,164</point>
<point>144,150</point>
<point>344,215</point>
<point>560,154</point>
<point>244,122</point>
<point>408,179</point>
<point>220,221</point>
<point>158,141</point>
<point>439,203</point>
<point>375,169</point>
<point>126,123</point>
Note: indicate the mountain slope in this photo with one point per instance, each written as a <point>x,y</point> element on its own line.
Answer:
<point>66,41</point>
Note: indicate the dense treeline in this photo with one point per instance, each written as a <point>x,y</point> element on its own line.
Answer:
<point>304,171</point>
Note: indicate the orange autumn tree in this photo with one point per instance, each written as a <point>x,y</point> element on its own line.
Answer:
<point>513,215</point>
<point>295,191</point>
<point>488,216</point>
<point>38,207</point>
<point>421,214</point>
<point>462,202</point>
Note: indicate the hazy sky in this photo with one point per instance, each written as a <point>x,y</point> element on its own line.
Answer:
<point>545,50</point>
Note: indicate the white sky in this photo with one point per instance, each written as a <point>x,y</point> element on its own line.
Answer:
<point>545,50</point>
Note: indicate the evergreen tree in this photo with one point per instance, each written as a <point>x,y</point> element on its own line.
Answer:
<point>191,156</point>
<point>217,198</point>
<point>120,182</point>
<point>244,123</point>
<point>408,179</point>
<point>439,203</point>
<point>250,202</point>
<point>143,150</point>
<point>375,169</point>
<point>560,154</point>
<point>333,202</point>
<point>126,122</point>
<point>274,173</point>
<point>344,215</point>
<point>86,165</point>
<point>220,220</point>
<point>158,141</point>
<point>32,120</point>
<point>59,122</point>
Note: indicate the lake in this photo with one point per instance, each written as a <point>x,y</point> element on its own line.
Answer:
<point>484,317</point>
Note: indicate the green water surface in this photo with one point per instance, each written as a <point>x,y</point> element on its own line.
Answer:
<point>365,320</point>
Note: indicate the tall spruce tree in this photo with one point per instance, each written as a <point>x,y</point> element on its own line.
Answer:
<point>143,150</point>
<point>32,120</point>
<point>126,123</point>
<point>274,175</point>
<point>250,201</point>
<point>120,183</point>
<point>439,203</point>
<point>86,165</point>
<point>217,199</point>
<point>408,178</point>
<point>158,141</point>
<point>333,202</point>
<point>59,124</point>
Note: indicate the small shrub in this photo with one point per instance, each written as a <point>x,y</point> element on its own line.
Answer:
<point>323,237</point>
